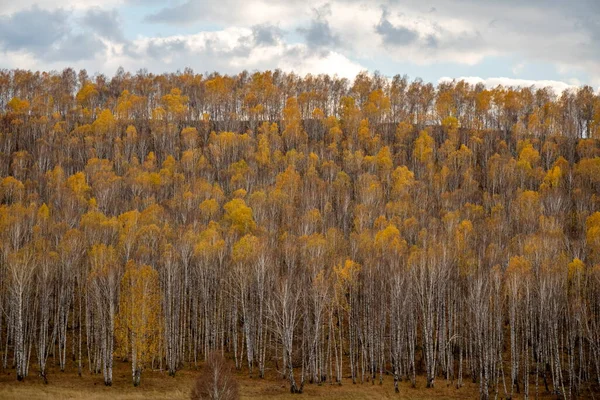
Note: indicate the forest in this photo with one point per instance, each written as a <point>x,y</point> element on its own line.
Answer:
<point>310,227</point>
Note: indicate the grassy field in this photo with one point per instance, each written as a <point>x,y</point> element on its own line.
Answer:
<point>158,385</point>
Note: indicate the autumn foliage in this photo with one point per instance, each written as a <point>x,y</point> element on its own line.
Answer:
<point>311,228</point>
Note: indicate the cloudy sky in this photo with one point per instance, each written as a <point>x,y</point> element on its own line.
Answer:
<point>552,42</point>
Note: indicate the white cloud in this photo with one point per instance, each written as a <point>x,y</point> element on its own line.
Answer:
<point>557,86</point>
<point>8,7</point>
<point>407,34</point>
<point>517,69</point>
<point>227,51</point>
<point>561,36</point>
<point>233,12</point>
<point>332,64</point>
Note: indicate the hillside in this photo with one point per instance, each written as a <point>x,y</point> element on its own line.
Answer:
<point>317,230</point>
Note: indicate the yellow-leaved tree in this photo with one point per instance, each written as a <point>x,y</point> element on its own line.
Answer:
<point>138,330</point>
<point>239,216</point>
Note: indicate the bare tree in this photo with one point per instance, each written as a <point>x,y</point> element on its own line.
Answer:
<point>216,382</point>
<point>21,274</point>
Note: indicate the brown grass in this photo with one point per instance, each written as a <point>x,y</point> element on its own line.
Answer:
<point>158,385</point>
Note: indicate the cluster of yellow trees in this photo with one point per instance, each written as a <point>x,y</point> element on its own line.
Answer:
<point>310,227</point>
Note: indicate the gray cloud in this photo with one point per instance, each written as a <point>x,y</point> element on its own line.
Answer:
<point>394,35</point>
<point>144,2</point>
<point>266,35</point>
<point>530,22</point>
<point>157,50</point>
<point>71,48</point>
<point>184,13</point>
<point>319,34</point>
<point>33,30</point>
<point>105,23</point>
<point>443,39</point>
<point>48,35</point>
<point>560,38</point>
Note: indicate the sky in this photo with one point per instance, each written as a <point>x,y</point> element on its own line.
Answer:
<point>513,42</point>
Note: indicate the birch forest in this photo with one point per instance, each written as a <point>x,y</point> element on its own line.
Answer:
<point>310,228</point>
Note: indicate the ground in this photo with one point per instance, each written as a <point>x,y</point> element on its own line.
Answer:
<point>158,385</point>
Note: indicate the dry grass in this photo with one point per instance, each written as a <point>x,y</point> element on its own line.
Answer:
<point>68,385</point>
<point>158,385</point>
